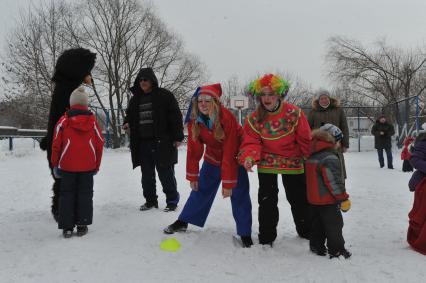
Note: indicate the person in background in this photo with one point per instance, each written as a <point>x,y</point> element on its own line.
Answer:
<point>383,132</point>
<point>406,154</point>
<point>326,109</point>
<point>156,131</point>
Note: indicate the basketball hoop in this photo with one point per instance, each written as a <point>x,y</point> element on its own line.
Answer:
<point>239,103</point>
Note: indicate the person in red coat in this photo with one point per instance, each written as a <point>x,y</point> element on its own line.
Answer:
<point>406,155</point>
<point>416,234</point>
<point>277,138</point>
<point>213,132</point>
<point>76,156</point>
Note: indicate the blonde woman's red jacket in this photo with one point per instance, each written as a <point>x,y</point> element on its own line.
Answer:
<point>279,143</point>
<point>77,141</point>
<point>219,153</point>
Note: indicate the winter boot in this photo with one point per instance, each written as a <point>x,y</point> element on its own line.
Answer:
<point>148,205</point>
<point>177,226</point>
<point>321,251</point>
<point>345,253</point>
<point>67,233</point>
<point>82,230</point>
<point>170,207</point>
<point>55,199</point>
<point>247,241</point>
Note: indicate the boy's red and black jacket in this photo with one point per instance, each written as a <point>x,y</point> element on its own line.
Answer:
<point>77,141</point>
<point>324,171</point>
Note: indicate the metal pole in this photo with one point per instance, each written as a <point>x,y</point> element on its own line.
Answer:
<point>10,143</point>
<point>417,114</point>
<point>240,116</point>
<point>359,132</point>
<point>107,128</point>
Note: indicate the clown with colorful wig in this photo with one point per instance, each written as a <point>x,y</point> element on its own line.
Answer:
<point>277,139</point>
<point>213,132</point>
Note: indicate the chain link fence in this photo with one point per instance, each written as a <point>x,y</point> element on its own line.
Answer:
<point>407,115</point>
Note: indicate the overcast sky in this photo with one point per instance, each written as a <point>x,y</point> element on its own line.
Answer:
<point>247,37</point>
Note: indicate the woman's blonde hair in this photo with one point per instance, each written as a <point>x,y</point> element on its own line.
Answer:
<point>218,132</point>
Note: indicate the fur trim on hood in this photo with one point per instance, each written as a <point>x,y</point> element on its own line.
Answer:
<point>323,136</point>
<point>334,103</point>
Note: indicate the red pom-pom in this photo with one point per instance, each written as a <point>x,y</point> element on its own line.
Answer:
<point>266,80</point>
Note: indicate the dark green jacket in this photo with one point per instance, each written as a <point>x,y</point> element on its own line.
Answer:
<point>333,114</point>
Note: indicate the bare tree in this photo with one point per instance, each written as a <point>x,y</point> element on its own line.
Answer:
<point>28,64</point>
<point>125,34</point>
<point>128,35</point>
<point>383,75</point>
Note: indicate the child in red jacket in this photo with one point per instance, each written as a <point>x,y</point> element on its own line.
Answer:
<point>76,156</point>
<point>326,192</point>
<point>406,155</point>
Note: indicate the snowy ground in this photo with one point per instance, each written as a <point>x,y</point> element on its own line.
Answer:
<point>123,243</point>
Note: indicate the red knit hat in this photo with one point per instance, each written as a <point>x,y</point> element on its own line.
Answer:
<point>214,90</point>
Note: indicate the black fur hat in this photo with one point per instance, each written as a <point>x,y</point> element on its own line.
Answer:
<point>82,62</point>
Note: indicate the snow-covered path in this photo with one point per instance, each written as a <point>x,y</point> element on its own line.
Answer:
<point>123,243</point>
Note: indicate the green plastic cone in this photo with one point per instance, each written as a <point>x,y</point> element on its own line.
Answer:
<point>170,245</point>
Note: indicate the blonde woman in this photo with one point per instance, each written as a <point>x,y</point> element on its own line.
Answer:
<point>213,127</point>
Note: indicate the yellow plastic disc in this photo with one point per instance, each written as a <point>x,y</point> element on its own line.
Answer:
<point>170,245</point>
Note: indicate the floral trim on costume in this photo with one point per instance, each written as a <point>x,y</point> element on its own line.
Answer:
<point>278,163</point>
<point>273,129</point>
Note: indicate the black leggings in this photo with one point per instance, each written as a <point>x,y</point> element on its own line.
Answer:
<point>295,190</point>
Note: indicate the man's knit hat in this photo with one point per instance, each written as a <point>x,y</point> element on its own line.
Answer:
<point>79,97</point>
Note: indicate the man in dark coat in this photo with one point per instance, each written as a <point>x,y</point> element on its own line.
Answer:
<point>156,130</point>
<point>383,132</point>
<point>73,68</point>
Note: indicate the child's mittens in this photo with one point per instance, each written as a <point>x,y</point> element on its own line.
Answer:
<point>57,173</point>
<point>345,205</point>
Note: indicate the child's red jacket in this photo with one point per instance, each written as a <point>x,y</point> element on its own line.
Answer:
<point>405,153</point>
<point>77,141</point>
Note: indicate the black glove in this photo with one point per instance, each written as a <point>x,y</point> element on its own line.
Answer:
<point>57,173</point>
<point>43,143</point>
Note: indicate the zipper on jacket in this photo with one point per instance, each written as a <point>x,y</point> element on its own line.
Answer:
<point>63,152</point>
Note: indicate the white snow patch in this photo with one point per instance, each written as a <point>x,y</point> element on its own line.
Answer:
<point>123,243</point>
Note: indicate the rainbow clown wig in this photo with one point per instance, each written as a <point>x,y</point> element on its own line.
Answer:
<point>270,82</point>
